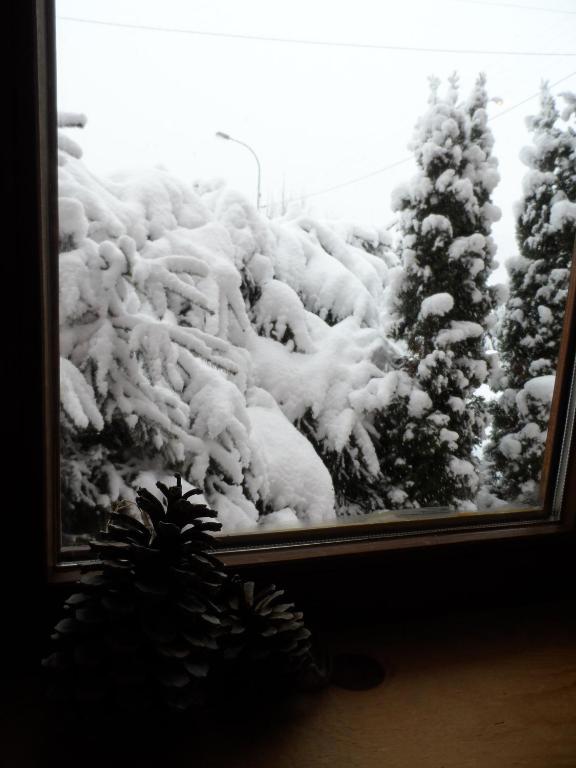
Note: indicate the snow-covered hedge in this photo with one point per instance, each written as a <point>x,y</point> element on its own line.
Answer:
<point>198,335</point>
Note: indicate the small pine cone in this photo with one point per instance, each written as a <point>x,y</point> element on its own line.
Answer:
<point>264,626</point>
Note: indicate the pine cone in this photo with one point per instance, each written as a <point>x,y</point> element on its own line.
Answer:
<point>147,627</point>
<point>264,627</point>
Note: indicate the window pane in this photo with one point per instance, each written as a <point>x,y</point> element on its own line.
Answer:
<point>303,264</point>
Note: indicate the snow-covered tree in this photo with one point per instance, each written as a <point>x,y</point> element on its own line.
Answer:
<point>197,335</point>
<point>147,381</point>
<point>443,305</point>
<point>531,328</point>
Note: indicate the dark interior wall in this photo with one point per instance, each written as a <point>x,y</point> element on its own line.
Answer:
<point>20,337</point>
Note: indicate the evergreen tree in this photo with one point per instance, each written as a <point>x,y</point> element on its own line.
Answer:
<point>443,304</point>
<point>531,327</point>
<point>323,306</point>
<point>146,381</point>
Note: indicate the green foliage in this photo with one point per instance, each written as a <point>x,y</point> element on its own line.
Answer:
<point>443,303</point>
<point>531,328</point>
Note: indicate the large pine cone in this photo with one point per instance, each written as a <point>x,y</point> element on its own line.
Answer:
<point>147,627</point>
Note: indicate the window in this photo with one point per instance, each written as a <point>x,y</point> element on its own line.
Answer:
<point>329,385</point>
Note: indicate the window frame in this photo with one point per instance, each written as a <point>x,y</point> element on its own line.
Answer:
<point>308,546</point>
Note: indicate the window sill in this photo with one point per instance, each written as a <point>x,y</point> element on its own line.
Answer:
<point>494,687</point>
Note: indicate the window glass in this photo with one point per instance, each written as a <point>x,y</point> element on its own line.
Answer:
<point>312,257</point>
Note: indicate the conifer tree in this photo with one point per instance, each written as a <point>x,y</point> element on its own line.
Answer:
<point>531,327</point>
<point>443,304</point>
<point>143,375</point>
<point>333,285</point>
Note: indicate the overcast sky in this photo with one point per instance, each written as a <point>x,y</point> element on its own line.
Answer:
<point>317,116</point>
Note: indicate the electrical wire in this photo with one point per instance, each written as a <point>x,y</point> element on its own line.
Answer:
<point>516,6</point>
<point>409,157</point>
<point>325,43</point>
<point>529,98</point>
<point>351,181</point>
<point>390,166</point>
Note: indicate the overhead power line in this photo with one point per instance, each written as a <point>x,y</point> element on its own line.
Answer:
<point>351,181</point>
<point>529,98</point>
<point>324,43</point>
<point>409,157</point>
<point>516,6</point>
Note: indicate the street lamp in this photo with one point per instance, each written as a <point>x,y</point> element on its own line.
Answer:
<point>222,135</point>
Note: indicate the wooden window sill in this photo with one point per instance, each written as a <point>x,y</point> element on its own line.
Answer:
<point>463,690</point>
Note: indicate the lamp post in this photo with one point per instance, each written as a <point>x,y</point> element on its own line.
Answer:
<point>225,136</point>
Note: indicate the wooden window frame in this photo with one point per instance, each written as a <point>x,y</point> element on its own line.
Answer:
<point>303,548</point>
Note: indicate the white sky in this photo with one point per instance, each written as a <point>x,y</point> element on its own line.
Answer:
<point>316,116</point>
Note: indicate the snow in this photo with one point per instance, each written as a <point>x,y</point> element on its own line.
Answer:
<point>460,330</point>
<point>462,467</point>
<point>282,519</point>
<point>448,436</point>
<point>475,244</point>
<point>77,398</point>
<point>537,367</point>
<point>280,310</point>
<point>237,348</point>
<point>457,404</point>
<point>398,497</point>
<point>510,447</point>
<point>68,146</point>
<point>437,304</point>
<point>71,120</point>
<point>419,403</point>
<point>435,223</point>
<point>477,266</point>
<point>491,213</point>
<point>253,353</point>
<point>72,221</point>
<point>530,328</point>
<point>501,293</point>
<point>445,221</point>
<point>570,105</point>
<point>562,213</point>
<point>545,314</point>
<point>380,392</point>
<point>541,388</point>
<point>293,475</point>
<point>336,384</point>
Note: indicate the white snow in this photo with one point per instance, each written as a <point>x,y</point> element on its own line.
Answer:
<point>545,314</point>
<point>437,304</point>
<point>419,403</point>
<point>435,223</point>
<point>293,475</point>
<point>541,388</point>
<point>460,330</point>
<point>71,120</point>
<point>510,447</point>
<point>475,244</point>
<point>282,519</point>
<point>245,348</point>
<point>462,467</point>
<point>448,436</point>
<point>562,213</point>
<point>77,397</point>
<point>457,404</point>
<point>157,333</point>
